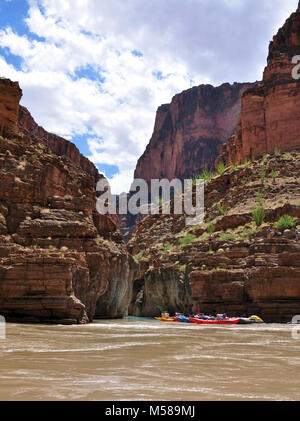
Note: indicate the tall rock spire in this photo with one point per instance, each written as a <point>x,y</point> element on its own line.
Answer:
<point>285,45</point>
<point>271,110</point>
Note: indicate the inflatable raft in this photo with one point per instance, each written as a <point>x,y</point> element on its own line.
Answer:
<point>182,319</point>
<point>209,320</point>
<point>165,319</point>
<point>229,321</point>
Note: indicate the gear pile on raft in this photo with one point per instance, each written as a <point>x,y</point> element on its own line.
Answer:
<point>202,319</point>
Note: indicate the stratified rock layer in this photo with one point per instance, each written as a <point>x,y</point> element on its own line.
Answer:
<point>188,132</point>
<point>60,261</point>
<point>270,112</point>
<point>61,147</point>
<point>240,269</point>
<point>187,136</point>
<point>56,144</point>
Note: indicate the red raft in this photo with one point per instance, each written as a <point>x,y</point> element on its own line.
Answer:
<point>229,321</point>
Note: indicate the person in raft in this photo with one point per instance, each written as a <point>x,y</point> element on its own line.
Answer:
<point>297,234</point>
<point>221,316</point>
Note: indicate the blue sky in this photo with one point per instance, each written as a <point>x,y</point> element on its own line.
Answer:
<point>95,71</point>
<point>13,16</point>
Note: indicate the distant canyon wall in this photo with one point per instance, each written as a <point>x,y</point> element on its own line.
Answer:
<point>189,132</point>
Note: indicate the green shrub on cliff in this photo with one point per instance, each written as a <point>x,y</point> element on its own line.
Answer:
<point>226,237</point>
<point>206,176</point>
<point>285,222</point>
<point>167,247</point>
<point>223,210</point>
<point>221,168</point>
<point>195,178</point>
<point>274,175</point>
<point>258,215</point>
<point>139,255</point>
<point>211,229</point>
<point>263,173</point>
<point>219,269</point>
<point>246,233</point>
<point>188,239</point>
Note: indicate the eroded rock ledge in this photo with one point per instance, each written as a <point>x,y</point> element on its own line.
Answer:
<point>228,264</point>
<point>60,261</point>
<point>239,268</point>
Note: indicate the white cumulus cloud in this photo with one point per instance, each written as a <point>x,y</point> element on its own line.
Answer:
<point>101,68</point>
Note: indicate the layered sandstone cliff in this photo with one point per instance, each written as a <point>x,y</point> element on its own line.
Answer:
<point>61,147</point>
<point>189,132</point>
<point>187,137</point>
<point>60,261</point>
<point>233,262</point>
<point>56,144</point>
<point>240,268</point>
<point>270,114</point>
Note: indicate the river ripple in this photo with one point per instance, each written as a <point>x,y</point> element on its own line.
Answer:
<point>141,359</point>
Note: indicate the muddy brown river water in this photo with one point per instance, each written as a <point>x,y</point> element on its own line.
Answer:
<point>141,359</point>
